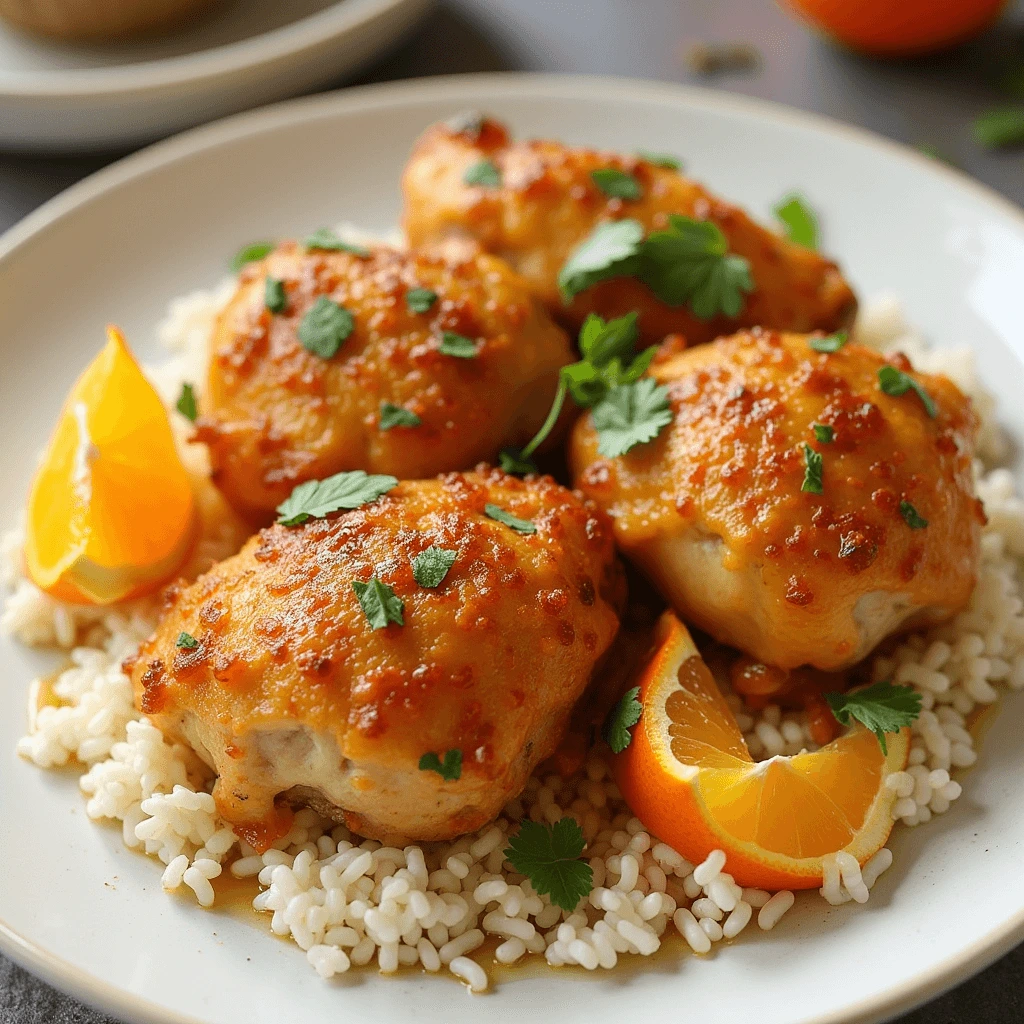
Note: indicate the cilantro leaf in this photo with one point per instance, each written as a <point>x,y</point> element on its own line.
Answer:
<point>882,708</point>
<point>689,264</point>
<point>396,416</point>
<point>799,220</point>
<point>601,342</point>
<point>450,769</point>
<point>512,460</point>
<point>549,855</point>
<point>999,128</point>
<point>912,517</point>
<point>484,173</point>
<point>895,382</point>
<point>610,250</point>
<point>324,327</point>
<point>379,604</point>
<point>250,254</point>
<point>823,433</point>
<point>616,184</point>
<point>621,719</point>
<point>666,160</point>
<point>419,300</point>
<point>325,238</point>
<point>830,343</point>
<point>186,403</point>
<point>274,297</point>
<point>457,345</point>
<point>186,640</point>
<point>497,513</point>
<point>317,498</point>
<point>430,567</point>
<point>630,414</point>
<point>812,471</point>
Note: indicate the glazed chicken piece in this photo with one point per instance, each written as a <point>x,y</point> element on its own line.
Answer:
<point>714,511</point>
<point>547,204</point>
<point>290,694</point>
<point>276,413</point>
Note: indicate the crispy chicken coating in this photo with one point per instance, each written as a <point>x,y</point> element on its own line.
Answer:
<point>714,511</point>
<point>548,203</point>
<point>289,693</point>
<point>276,414</point>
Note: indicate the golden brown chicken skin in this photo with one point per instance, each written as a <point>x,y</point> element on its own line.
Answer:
<point>290,690</point>
<point>276,414</point>
<point>713,509</point>
<point>548,204</point>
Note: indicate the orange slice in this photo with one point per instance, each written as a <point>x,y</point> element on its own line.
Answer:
<point>111,513</point>
<point>688,776</point>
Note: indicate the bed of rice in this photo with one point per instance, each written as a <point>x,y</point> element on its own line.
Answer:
<point>347,901</point>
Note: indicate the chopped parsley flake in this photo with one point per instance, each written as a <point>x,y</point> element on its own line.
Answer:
<point>325,238</point>
<point>812,471</point>
<point>274,297</point>
<point>484,173</point>
<point>420,300</point>
<point>823,433</point>
<point>379,604</point>
<point>186,640</point>
<point>882,708</point>
<point>497,513</point>
<point>396,416</point>
<point>250,254</point>
<point>621,719</point>
<point>318,498</point>
<point>325,327</point>
<point>799,221</point>
<point>457,345</point>
<point>450,769</point>
<point>617,184</point>
<point>895,382</point>
<point>830,343</point>
<point>430,567</point>
<point>549,855</point>
<point>186,403</point>
<point>912,517</point>
<point>666,160</point>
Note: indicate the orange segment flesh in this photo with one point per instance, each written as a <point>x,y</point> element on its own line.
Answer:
<point>688,776</point>
<point>111,513</point>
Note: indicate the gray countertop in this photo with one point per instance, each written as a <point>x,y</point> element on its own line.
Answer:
<point>927,101</point>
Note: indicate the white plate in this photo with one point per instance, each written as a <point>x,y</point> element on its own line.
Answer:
<point>56,96</point>
<point>164,221</point>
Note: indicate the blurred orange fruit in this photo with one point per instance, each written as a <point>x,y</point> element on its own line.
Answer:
<point>688,776</point>
<point>903,28</point>
<point>111,513</point>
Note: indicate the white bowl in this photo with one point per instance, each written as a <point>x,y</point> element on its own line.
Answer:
<point>88,915</point>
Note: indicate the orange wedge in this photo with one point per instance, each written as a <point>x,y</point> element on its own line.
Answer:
<point>111,513</point>
<point>688,776</point>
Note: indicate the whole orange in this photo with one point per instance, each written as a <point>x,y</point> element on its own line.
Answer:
<point>899,27</point>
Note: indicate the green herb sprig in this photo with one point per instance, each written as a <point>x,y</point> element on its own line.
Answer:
<point>617,184</point>
<point>450,769</point>
<point>621,720</point>
<point>895,382</point>
<point>799,220</point>
<point>315,499</point>
<point>379,603</point>
<point>186,404</point>
<point>882,708</point>
<point>549,855</point>
<point>430,567</point>
<point>395,416</point>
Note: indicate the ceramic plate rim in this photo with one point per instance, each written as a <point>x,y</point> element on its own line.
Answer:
<point>928,983</point>
<point>82,84</point>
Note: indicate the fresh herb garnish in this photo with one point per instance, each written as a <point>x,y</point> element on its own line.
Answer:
<point>611,250</point>
<point>186,640</point>
<point>324,327</point>
<point>430,567</point>
<point>457,345</point>
<point>823,433</point>
<point>515,461</point>
<point>379,604</point>
<point>812,471</point>
<point>882,708</point>
<point>274,297</point>
<point>549,855</point>
<point>911,516</point>
<point>497,513</point>
<point>396,416</point>
<point>325,238</point>
<point>186,403</point>
<point>630,414</point>
<point>250,254</point>
<point>621,719</point>
<point>419,300</point>
<point>484,173</point>
<point>450,769</point>
<point>666,160</point>
<point>999,128</point>
<point>799,221</point>
<point>831,343</point>
<point>318,498</point>
<point>895,382</point>
<point>617,184</point>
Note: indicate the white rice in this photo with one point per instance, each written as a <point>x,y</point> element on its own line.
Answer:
<point>347,901</point>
